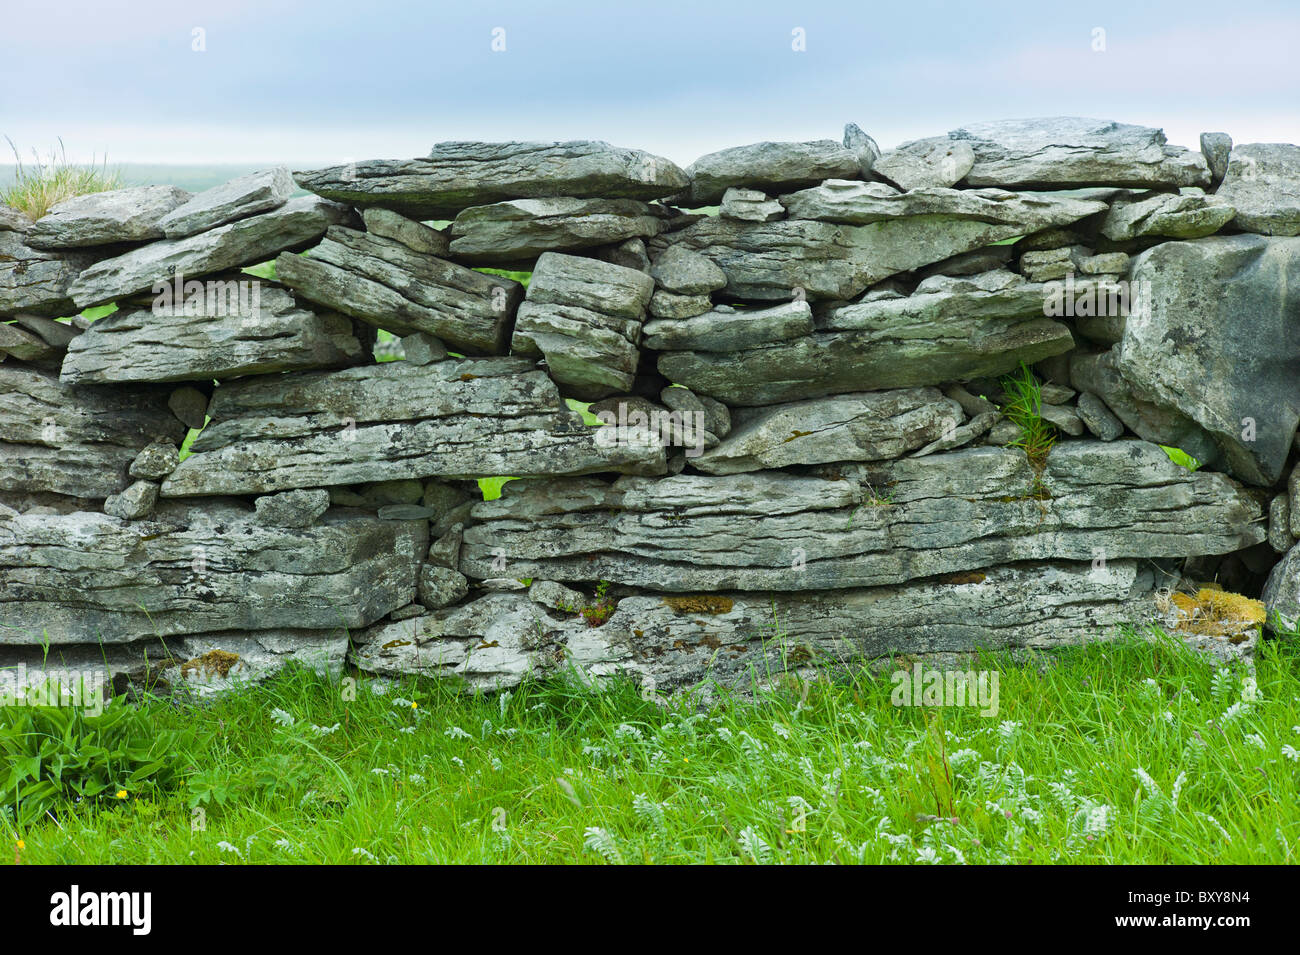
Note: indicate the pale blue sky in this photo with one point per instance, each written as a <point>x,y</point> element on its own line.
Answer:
<point>325,81</point>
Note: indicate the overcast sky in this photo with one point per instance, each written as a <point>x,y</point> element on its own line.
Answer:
<point>310,83</point>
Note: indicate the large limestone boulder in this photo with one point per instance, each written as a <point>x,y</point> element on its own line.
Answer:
<point>1216,336</point>
<point>863,524</point>
<point>1167,214</point>
<point>104,218</point>
<point>457,175</point>
<point>771,167</point>
<point>86,577</point>
<point>386,283</point>
<point>1066,151</point>
<point>1263,184</point>
<point>395,421</point>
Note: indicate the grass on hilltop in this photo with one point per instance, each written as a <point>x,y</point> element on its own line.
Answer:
<point>43,184</point>
<point>1129,752</point>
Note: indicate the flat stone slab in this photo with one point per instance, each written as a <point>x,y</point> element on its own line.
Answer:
<point>1065,151</point>
<point>249,332</point>
<point>296,224</point>
<point>1263,184</point>
<point>86,577</point>
<point>387,284</point>
<point>1172,216</point>
<point>520,230</point>
<point>855,525</point>
<point>77,441</point>
<point>768,166</point>
<point>730,330</point>
<point>37,280</point>
<point>104,218</point>
<point>391,421</point>
<point>239,198</point>
<point>457,175</point>
<point>1216,338</point>
<point>838,259</point>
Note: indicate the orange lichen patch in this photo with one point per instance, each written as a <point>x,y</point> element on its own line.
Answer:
<point>1217,613</point>
<point>214,661</point>
<point>701,603</point>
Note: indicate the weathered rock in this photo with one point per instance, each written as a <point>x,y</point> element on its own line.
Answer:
<point>37,280</point>
<point>23,345</point>
<point>1216,147</point>
<point>87,577</point>
<point>1062,418</point>
<point>1069,151</point>
<point>769,166</point>
<point>670,306</point>
<point>13,220</point>
<point>964,329</point>
<point>1279,524</point>
<point>237,199</point>
<point>1098,418</point>
<point>190,406</point>
<point>384,283</point>
<point>1293,493</point>
<point>1106,263</point>
<point>440,587</point>
<point>862,427</point>
<point>291,508</point>
<point>1263,184</point>
<point>719,331</point>
<point>249,241</point>
<point>454,419</point>
<point>104,218</point>
<point>457,175</point>
<point>715,415</point>
<point>1052,264</point>
<point>421,348</point>
<point>584,317</point>
<point>1194,343</point>
<point>520,230</point>
<point>250,328</point>
<point>994,257</point>
<point>1160,424</point>
<point>416,236</point>
<point>926,163</point>
<point>750,205</point>
<point>155,461</point>
<point>56,334</point>
<point>630,254</point>
<point>862,524</point>
<point>1167,214</point>
<point>685,272</point>
<point>862,146</point>
<point>74,441</point>
<point>836,260</point>
<point>960,436</point>
<point>1281,594</point>
<point>445,551</point>
<point>135,502</point>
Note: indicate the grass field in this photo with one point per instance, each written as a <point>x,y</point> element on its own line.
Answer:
<point>1125,752</point>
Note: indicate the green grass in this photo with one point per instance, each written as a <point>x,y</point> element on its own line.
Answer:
<point>43,184</point>
<point>1114,753</point>
<point>1024,410</point>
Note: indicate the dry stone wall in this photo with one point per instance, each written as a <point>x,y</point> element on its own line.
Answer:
<point>807,447</point>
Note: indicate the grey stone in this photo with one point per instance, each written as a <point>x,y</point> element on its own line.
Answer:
<point>135,502</point>
<point>630,254</point>
<point>926,163</point>
<point>292,508</point>
<point>1293,492</point>
<point>384,283</point>
<point>1281,594</point>
<point>445,551</point>
<point>1216,147</point>
<point>862,427</point>
<point>452,419</point>
<point>440,587</point>
<point>961,435</point>
<point>86,577</point>
<point>1061,417</point>
<point>520,230</point>
<point>190,406</point>
<point>1067,151</point>
<point>457,175</point>
<point>1173,216</point>
<point>669,305</point>
<point>25,346</point>
<point>296,224</point>
<point>406,512</point>
<point>1263,184</point>
<point>862,146</point>
<point>548,593</point>
<point>836,260</point>
<point>1098,418</point>
<point>421,348</point>
<point>772,167</point>
<point>155,461</point>
<point>416,236</point>
<point>1279,524</point>
<point>57,335</point>
<point>971,263</point>
<point>237,199</point>
<point>252,328</point>
<point>1107,263</point>
<point>685,272</point>
<point>105,218</point>
<point>857,525</point>
<point>716,415</point>
<point>750,205</point>
<point>1052,264</point>
<point>37,280</point>
<point>719,331</point>
<point>72,440</point>
<point>1195,345</point>
<point>13,220</point>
